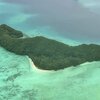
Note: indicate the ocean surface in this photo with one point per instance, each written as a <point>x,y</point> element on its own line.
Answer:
<point>21,80</point>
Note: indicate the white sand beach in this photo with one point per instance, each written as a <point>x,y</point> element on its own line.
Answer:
<point>37,69</point>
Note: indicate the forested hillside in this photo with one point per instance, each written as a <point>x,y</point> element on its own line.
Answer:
<point>47,53</point>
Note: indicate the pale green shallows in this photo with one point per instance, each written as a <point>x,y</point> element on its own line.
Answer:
<point>19,80</point>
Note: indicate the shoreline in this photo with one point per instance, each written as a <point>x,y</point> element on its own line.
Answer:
<point>35,68</point>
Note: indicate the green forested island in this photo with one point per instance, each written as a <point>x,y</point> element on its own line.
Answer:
<point>46,53</point>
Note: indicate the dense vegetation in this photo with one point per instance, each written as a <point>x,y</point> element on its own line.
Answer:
<point>46,53</point>
<point>4,29</point>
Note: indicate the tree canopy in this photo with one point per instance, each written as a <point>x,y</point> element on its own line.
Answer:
<point>47,53</point>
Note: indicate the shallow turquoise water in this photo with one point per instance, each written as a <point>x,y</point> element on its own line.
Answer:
<point>50,33</point>
<point>21,81</point>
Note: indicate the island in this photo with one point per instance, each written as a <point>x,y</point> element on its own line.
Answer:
<point>46,53</point>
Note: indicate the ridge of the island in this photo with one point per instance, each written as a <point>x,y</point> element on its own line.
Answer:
<point>46,53</point>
